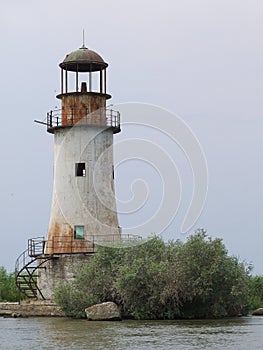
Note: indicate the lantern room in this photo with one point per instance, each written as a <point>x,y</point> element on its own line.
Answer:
<point>83,93</point>
<point>84,61</point>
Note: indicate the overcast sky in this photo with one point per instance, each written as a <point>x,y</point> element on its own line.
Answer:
<point>200,59</point>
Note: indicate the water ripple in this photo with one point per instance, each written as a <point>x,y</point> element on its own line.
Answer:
<point>63,333</point>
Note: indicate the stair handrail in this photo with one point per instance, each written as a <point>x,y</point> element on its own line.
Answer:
<point>26,256</point>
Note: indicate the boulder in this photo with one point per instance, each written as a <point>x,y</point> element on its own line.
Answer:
<point>108,311</point>
<point>258,312</point>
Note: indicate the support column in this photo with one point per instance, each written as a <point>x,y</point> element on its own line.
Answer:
<point>105,81</point>
<point>77,79</point>
<point>62,81</point>
<point>101,81</point>
<point>66,81</point>
<point>90,82</point>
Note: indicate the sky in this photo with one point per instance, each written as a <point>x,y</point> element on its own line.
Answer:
<point>201,60</point>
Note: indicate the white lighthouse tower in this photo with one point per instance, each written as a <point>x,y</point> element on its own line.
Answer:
<point>83,206</point>
<point>83,210</point>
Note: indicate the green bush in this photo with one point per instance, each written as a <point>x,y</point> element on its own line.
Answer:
<point>8,289</point>
<point>158,280</point>
<point>72,301</point>
<point>256,292</point>
<point>212,284</point>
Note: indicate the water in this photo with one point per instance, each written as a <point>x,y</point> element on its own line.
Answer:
<point>62,333</point>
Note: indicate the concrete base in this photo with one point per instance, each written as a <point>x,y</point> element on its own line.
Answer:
<point>31,308</point>
<point>59,270</point>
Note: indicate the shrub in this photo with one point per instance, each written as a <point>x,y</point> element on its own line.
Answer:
<point>158,280</point>
<point>8,289</point>
<point>72,301</point>
<point>256,292</point>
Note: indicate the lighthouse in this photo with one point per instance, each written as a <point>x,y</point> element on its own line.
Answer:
<point>83,207</point>
<point>83,210</point>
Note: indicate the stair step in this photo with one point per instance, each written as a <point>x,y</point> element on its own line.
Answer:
<point>31,290</point>
<point>27,276</point>
<point>26,287</point>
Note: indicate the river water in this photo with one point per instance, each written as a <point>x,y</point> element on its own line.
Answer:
<point>62,333</point>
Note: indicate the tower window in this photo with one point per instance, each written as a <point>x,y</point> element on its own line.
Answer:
<point>80,169</point>
<point>78,232</point>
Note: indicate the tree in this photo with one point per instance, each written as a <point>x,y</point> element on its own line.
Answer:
<point>213,284</point>
<point>8,289</point>
<point>256,292</point>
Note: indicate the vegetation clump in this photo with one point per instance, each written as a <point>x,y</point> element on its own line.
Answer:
<point>8,289</point>
<point>158,280</point>
<point>255,292</point>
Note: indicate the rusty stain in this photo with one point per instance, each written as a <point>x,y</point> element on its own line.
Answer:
<point>83,60</point>
<point>83,109</point>
<point>61,241</point>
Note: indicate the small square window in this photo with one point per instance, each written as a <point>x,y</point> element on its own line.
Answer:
<point>80,169</point>
<point>78,232</point>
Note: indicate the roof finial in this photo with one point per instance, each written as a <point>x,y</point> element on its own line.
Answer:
<point>83,39</point>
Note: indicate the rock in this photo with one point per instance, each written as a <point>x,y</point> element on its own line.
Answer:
<point>258,312</point>
<point>103,312</point>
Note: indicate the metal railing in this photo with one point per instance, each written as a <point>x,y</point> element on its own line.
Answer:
<point>106,238</point>
<point>89,244</point>
<point>107,118</point>
<point>36,246</point>
<point>69,245</point>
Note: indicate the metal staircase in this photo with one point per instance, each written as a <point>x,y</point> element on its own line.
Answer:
<point>40,251</point>
<point>26,267</point>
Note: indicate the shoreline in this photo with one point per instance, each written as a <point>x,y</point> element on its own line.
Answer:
<point>48,308</point>
<point>30,308</point>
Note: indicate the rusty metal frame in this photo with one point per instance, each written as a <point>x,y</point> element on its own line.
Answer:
<point>112,119</point>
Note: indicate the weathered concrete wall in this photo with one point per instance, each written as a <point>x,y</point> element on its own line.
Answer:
<point>59,271</point>
<point>30,308</point>
<point>88,200</point>
<point>85,203</point>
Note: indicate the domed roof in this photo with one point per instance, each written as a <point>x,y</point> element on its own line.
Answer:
<point>83,60</point>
